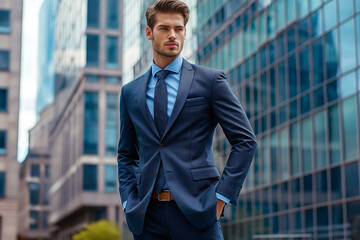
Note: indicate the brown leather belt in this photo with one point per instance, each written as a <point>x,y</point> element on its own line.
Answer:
<point>164,196</point>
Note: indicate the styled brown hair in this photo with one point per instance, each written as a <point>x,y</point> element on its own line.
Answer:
<point>166,6</point>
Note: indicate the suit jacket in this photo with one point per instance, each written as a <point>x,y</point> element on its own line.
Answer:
<point>204,99</point>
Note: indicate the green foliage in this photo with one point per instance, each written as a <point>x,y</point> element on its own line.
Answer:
<point>100,230</point>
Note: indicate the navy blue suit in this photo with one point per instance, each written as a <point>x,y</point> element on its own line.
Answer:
<point>204,99</point>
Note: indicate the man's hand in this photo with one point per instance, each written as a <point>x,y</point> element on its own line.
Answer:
<point>219,207</point>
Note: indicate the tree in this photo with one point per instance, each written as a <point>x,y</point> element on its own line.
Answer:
<point>100,230</point>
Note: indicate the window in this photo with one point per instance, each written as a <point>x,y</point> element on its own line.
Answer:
<point>346,9</point>
<point>330,14</point>
<point>35,170</point>
<point>92,50</point>
<point>347,46</point>
<point>91,123</point>
<point>273,149</point>
<point>294,149</point>
<point>112,79</point>
<point>352,180</point>
<point>2,142</point>
<point>4,21</point>
<point>303,8</point>
<point>320,140</point>
<point>3,100</point>
<point>89,177</point>
<point>317,67</point>
<point>348,84</point>
<point>93,13</point>
<point>316,23</point>
<point>34,220</point>
<point>34,189</point>
<point>284,153</point>
<point>111,131</point>
<point>111,52</point>
<point>47,170</point>
<point>45,220</point>
<point>350,143</point>
<point>265,159</point>
<point>337,216</point>
<point>112,14</point>
<point>321,187</point>
<point>2,184</point>
<point>331,54</point>
<point>306,144</point>
<point>46,188</point>
<point>92,78</point>
<point>336,191</point>
<point>4,60</point>
<point>295,193</point>
<point>292,76</point>
<point>304,69</point>
<point>308,190</point>
<point>110,178</point>
<point>290,10</point>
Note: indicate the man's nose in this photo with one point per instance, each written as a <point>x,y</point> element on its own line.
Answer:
<point>172,35</point>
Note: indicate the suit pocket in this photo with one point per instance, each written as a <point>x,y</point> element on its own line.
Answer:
<point>205,173</point>
<point>192,102</point>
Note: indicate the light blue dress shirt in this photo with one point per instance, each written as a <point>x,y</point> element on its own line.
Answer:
<point>172,83</point>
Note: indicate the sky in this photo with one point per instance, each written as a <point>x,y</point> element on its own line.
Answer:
<point>29,73</point>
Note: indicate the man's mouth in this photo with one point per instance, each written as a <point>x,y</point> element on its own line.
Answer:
<point>171,44</point>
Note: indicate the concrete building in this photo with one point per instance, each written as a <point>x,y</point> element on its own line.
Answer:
<point>34,207</point>
<point>294,65</point>
<point>83,137</point>
<point>10,54</point>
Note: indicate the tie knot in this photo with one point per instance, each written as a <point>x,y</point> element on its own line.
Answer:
<point>162,74</point>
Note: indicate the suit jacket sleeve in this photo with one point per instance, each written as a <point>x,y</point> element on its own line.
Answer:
<point>127,157</point>
<point>235,124</point>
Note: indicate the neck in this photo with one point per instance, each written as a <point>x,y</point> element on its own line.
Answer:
<point>163,61</point>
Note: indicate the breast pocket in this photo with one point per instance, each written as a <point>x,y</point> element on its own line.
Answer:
<point>193,102</point>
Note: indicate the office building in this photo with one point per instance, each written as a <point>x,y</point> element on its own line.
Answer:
<point>10,54</point>
<point>46,74</point>
<point>34,207</point>
<point>83,136</point>
<point>294,66</point>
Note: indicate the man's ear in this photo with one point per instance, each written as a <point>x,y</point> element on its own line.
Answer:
<point>149,34</point>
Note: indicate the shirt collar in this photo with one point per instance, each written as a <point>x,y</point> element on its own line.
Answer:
<point>174,66</point>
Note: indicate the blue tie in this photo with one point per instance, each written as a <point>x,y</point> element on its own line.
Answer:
<point>161,119</point>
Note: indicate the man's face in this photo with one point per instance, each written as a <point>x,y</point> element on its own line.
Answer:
<point>168,34</point>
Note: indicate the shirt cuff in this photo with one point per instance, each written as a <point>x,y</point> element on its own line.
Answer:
<point>223,198</point>
<point>124,205</point>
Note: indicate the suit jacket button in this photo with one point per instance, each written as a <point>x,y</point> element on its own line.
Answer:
<point>162,145</point>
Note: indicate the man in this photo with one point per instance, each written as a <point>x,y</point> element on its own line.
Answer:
<point>168,182</point>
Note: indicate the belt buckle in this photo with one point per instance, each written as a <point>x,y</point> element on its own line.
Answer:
<point>164,200</point>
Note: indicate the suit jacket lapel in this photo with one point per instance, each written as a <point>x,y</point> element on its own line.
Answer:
<point>187,73</point>
<point>144,109</point>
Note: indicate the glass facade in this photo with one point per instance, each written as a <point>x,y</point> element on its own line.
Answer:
<point>3,100</point>
<point>4,60</point>
<point>4,21</point>
<point>294,66</point>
